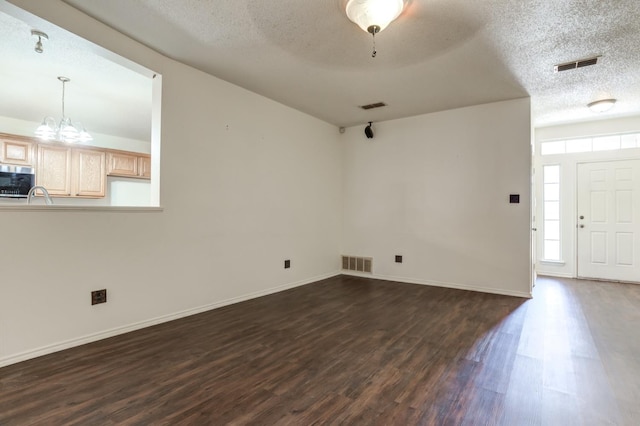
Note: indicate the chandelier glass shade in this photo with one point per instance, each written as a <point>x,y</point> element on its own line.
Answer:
<point>65,131</point>
<point>373,16</point>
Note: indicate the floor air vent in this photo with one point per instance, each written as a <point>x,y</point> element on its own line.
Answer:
<point>359,264</point>
<point>576,64</point>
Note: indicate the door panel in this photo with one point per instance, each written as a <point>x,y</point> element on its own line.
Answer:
<point>608,220</point>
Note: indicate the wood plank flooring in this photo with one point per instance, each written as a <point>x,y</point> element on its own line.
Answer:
<point>355,351</point>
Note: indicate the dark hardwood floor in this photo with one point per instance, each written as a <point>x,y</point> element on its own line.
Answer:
<point>355,351</point>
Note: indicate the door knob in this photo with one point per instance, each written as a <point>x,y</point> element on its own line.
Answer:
<point>581,226</point>
<point>581,217</point>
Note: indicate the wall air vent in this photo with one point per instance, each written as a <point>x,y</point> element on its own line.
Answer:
<point>358,264</point>
<point>372,106</point>
<point>576,64</point>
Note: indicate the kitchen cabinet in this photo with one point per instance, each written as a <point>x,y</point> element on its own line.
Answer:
<point>16,152</point>
<point>128,165</point>
<point>71,172</point>
<point>54,169</point>
<point>88,173</point>
<point>120,164</point>
<point>144,166</point>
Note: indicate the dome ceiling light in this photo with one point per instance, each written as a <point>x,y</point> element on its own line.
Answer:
<point>373,16</point>
<point>602,105</point>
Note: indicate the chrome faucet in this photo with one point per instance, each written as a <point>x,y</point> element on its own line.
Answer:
<point>47,198</point>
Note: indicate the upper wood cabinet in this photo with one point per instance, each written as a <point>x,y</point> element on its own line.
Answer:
<point>144,166</point>
<point>54,169</point>
<point>88,173</point>
<point>71,172</point>
<point>128,165</point>
<point>16,152</point>
<point>119,164</point>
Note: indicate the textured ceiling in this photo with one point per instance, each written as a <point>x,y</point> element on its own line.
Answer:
<point>439,54</point>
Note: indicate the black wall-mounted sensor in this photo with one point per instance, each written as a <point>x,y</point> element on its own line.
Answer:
<point>368,131</point>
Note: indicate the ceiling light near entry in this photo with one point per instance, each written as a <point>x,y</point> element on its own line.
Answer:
<point>602,105</point>
<point>373,16</point>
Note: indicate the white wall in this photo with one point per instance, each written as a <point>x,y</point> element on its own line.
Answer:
<point>246,183</point>
<point>567,266</point>
<point>435,189</point>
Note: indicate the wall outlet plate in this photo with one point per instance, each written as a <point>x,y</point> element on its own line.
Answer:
<point>398,258</point>
<point>514,198</point>
<point>99,296</point>
<point>287,264</point>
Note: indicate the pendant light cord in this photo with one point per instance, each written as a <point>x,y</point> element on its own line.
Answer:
<point>374,53</point>
<point>63,116</point>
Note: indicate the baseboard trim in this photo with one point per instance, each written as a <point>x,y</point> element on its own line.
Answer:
<point>433,283</point>
<point>56,347</point>
<point>555,274</point>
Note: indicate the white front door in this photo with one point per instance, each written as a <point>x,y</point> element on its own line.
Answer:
<point>609,220</point>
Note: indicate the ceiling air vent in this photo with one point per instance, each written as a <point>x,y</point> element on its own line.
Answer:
<point>576,64</point>
<point>376,105</point>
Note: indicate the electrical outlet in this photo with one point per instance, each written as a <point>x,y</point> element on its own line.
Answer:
<point>99,296</point>
<point>398,258</point>
<point>287,264</point>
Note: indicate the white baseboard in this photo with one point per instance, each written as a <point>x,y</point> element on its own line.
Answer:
<point>432,283</point>
<point>555,274</point>
<point>45,350</point>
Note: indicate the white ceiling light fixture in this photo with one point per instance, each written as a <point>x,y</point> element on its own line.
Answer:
<point>373,16</point>
<point>65,131</point>
<point>41,36</point>
<point>602,105</point>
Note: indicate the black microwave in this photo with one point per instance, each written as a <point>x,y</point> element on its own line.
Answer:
<point>16,181</point>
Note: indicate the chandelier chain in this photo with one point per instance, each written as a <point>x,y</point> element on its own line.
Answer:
<point>374,53</point>
<point>63,86</point>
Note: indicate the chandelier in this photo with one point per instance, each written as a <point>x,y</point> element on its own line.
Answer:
<point>65,131</point>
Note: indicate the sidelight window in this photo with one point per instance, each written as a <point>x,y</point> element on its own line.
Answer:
<point>551,212</point>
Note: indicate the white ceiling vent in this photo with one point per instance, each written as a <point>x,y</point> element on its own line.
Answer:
<point>372,106</point>
<point>576,64</point>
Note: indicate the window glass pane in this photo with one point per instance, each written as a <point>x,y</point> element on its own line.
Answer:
<point>552,191</point>
<point>552,250</point>
<point>551,174</point>
<point>629,141</point>
<point>606,143</point>
<point>548,148</point>
<point>552,230</point>
<point>579,145</point>
<point>551,210</point>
